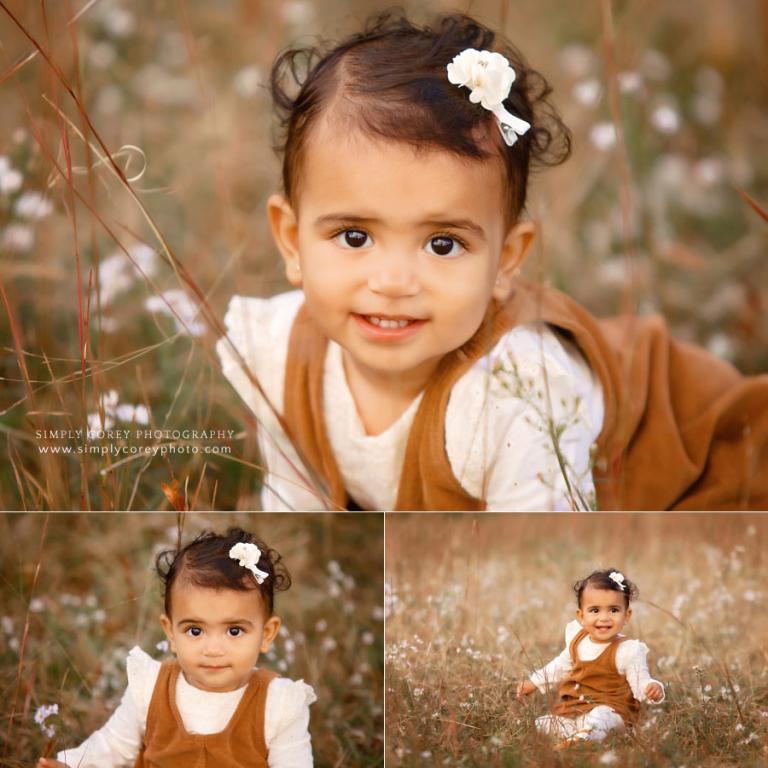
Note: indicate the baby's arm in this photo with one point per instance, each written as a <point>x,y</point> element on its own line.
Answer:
<point>553,672</point>
<point>631,662</point>
<point>115,744</point>
<point>286,724</point>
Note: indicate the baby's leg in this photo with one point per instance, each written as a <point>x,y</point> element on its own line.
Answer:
<point>554,725</point>
<point>599,721</point>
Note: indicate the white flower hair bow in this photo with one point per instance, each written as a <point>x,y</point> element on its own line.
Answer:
<point>618,578</point>
<point>248,555</point>
<point>489,77</point>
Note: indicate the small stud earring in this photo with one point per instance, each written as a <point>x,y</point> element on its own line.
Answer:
<point>297,266</point>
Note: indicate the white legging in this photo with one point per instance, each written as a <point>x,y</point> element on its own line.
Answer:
<point>594,724</point>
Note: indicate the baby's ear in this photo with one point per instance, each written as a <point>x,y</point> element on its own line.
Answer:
<point>514,252</point>
<point>285,231</point>
<point>269,633</point>
<point>167,626</point>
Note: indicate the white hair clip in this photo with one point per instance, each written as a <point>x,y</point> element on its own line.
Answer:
<point>618,578</point>
<point>489,77</point>
<point>248,555</point>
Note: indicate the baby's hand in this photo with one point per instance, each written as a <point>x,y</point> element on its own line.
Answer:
<point>524,688</point>
<point>49,762</point>
<point>654,692</point>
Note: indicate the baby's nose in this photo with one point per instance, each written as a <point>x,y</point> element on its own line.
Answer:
<point>213,647</point>
<point>394,274</point>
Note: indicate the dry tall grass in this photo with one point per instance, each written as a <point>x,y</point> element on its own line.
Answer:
<point>176,89</point>
<point>475,603</point>
<point>78,591</point>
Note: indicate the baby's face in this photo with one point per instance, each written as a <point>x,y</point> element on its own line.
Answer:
<point>603,613</point>
<point>217,634</point>
<point>398,252</point>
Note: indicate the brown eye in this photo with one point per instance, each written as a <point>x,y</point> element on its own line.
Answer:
<point>443,245</point>
<point>352,238</point>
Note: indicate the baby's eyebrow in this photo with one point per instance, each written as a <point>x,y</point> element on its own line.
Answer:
<point>224,621</point>
<point>440,223</point>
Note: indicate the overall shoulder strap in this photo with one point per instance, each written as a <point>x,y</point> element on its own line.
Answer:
<point>303,405</point>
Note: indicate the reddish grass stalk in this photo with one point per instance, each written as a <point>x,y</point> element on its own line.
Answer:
<point>25,636</point>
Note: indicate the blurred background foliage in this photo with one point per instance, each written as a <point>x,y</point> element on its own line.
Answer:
<point>648,218</point>
<point>78,591</point>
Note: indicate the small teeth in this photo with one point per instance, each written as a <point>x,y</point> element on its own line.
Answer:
<point>384,322</point>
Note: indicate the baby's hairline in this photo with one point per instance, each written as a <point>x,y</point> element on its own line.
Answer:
<point>358,132</point>
<point>183,581</point>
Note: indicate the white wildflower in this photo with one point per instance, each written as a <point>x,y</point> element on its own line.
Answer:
<point>577,59</point>
<point>10,180</point>
<point>33,205</point>
<point>109,402</point>
<point>655,65</point>
<point>102,54</point>
<point>114,278</point>
<point>367,638</point>
<point>587,92</point>
<point>119,22</point>
<point>162,646</point>
<point>603,135</point>
<point>329,644</point>
<point>630,81</point>
<point>42,714</point>
<point>248,81</point>
<point>297,12</point>
<point>132,414</point>
<point>665,119</point>
<point>18,237</point>
<point>36,605</point>
<point>186,313</point>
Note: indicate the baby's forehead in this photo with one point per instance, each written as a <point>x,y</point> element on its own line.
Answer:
<point>188,595</point>
<point>352,168</point>
<point>598,595</point>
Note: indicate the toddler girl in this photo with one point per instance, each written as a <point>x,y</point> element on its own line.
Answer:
<point>210,703</point>
<point>414,370</point>
<point>602,676</point>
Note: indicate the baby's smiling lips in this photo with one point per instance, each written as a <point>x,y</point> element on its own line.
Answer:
<point>387,327</point>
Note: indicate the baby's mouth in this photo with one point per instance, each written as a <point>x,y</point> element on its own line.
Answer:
<point>389,322</point>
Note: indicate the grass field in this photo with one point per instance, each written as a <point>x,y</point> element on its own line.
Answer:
<point>475,603</point>
<point>78,591</point>
<point>93,329</point>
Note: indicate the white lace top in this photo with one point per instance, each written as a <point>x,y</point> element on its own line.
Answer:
<point>498,430</point>
<point>631,663</point>
<point>117,743</point>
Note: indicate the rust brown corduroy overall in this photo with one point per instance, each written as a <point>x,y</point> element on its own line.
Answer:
<point>167,744</point>
<point>681,430</point>
<point>596,682</point>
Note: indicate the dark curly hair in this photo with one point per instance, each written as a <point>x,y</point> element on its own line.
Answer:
<point>205,562</point>
<point>602,580</point>
<point>390,81</point>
